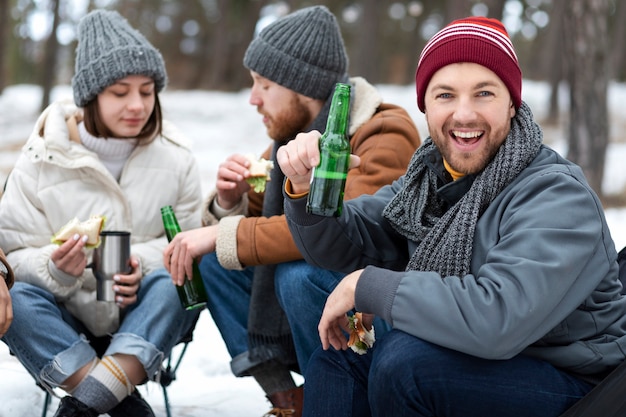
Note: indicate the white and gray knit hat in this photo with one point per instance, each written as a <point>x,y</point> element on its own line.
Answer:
<point>302,51</point>
<point>109,49</point>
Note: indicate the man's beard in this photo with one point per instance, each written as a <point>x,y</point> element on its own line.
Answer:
<point>469,162</point>
<point>287,124</point>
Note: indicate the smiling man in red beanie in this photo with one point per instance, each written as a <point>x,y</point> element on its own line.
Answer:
<point>490,258</point>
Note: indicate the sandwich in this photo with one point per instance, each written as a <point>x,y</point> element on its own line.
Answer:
<point>259,172</point>
<point>360,338</point>
<point>90,228</point>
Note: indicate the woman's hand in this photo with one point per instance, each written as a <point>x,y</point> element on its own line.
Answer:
<point>127,286</point>
<point>70,257</point>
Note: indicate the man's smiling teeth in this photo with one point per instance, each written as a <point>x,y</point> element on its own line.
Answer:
<point>466,135</point>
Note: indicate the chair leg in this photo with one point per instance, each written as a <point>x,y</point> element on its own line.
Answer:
<point>46,403</point>
<point>166,399</point>
<point>180,357</point>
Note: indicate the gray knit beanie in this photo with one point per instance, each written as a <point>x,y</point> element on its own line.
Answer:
<point>302,51</point>
<point>108,50</point>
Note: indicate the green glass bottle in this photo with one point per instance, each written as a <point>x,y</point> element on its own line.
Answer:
<point>328,178</point>
<point>192,293</point>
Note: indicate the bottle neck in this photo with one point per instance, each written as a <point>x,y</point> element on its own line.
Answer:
<point>170,224</point>
<point>339,109</point>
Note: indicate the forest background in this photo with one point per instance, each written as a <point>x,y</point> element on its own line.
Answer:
<point>574,45</point>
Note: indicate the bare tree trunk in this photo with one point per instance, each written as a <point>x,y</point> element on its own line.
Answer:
<point>456,9</point>
<point>496,8</point>
<point>221,58</point>
<point>50,58</point>
<point>4,36</point>
<point>585,38</point>
<point>229,46</point>
<point>551,58</point>
<point>239,75</point>
<point>618,54</point>
<point>367,55</point>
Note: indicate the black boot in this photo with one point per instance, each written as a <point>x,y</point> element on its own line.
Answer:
<point>71,407</point>
<point>132,406</point>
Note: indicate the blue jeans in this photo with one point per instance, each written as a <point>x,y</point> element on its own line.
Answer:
<point>51,343</point>
<point>406,376</point>
<point>301,290</point>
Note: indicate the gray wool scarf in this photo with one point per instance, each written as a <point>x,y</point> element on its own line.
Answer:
<point>446,237</point>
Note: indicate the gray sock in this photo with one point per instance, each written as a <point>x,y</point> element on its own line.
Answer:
<point>104,387</point>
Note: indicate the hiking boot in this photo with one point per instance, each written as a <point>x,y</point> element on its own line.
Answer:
<point>132,406</point>
<point>286,403</point>
<point>71,407</point>
<point>280,412</point>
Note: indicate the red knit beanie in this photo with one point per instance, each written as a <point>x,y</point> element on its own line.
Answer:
<point>479,40</point>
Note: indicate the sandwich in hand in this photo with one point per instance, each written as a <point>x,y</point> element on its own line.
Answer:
<point>90,228</point>
<point>259,172</point>
<point>360,338</point>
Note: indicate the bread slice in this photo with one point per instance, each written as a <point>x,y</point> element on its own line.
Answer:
<point>259,172</point>
<point>90,227</point>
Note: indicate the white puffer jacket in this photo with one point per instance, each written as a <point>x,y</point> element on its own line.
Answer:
<point>56,178</point>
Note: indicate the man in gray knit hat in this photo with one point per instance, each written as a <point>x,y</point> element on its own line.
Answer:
<point>251,268</point>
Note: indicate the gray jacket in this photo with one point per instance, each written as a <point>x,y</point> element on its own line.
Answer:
<point>544,276</point>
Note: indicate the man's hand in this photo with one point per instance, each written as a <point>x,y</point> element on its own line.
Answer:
<point>334,321</point>
<point>186,246</point>
<point>6,308</point>
<point>298,158</point>
<point>231,184</point>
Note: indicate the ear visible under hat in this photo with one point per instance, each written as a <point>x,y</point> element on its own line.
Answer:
<point>302,51</point>
<point>108,50</point>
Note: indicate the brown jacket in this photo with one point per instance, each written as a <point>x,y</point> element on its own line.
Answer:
<point>383,135</point>
<point>9,278</point>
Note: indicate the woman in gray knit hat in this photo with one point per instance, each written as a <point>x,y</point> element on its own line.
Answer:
<point>108,153</point>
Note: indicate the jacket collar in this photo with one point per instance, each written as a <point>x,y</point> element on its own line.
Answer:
<point>450,191</point>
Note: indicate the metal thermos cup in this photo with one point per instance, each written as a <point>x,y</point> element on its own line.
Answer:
<point>110,258</point>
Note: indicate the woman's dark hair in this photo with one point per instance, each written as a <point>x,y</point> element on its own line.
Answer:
<point>96,127</point>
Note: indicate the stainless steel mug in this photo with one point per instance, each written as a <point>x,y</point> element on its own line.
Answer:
<point>110,258</point>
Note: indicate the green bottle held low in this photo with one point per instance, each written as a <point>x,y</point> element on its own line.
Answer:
<point>328,179</point>
<point>192,293</point>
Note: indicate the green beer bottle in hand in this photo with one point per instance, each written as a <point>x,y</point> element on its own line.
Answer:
<point>192,293</point>
<point>328,179</point>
